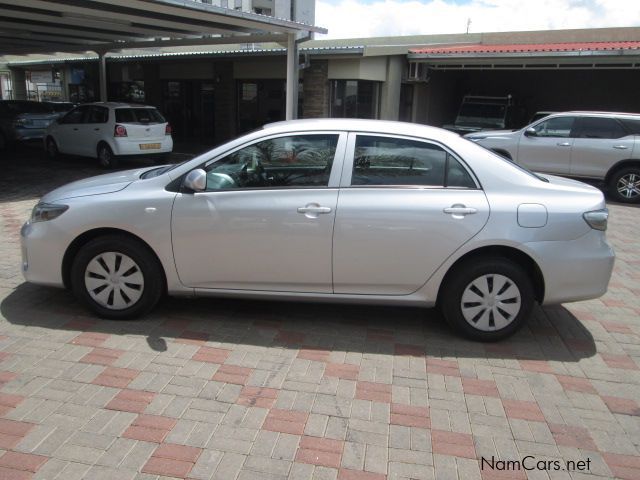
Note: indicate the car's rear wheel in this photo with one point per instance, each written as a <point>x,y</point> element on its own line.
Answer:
<point>487,299</point>
<point>117,277</point>
<point>52,149</point>
<point>624,185</point>
<point>106,158</point>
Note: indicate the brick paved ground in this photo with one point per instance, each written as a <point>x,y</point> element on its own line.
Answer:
<point>249,390</point>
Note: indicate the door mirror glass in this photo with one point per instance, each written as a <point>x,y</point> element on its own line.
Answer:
<point>196,180</point>
<point>530,132</point>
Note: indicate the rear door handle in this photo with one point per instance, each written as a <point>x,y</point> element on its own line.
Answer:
<point>563,144</point>
<point>620,147</point>
<point>460,210</point>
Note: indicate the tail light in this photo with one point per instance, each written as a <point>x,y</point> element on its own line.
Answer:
<point>167,129</point>
<point>120,131</point>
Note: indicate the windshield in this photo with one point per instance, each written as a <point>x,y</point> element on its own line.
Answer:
<point>482,114</point>
<point>156,172</point>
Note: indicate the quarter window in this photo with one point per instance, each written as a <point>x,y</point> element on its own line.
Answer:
<point>594,127</point>
<point>395,161</point>
<point>295,161</point>
<point>555,127</point>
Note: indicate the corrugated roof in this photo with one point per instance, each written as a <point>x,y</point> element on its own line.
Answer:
<point>526,48</point>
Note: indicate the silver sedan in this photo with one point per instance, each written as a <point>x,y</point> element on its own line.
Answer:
<point>329,210</point>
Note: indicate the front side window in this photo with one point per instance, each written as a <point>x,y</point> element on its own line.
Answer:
<point>75,116</point>
<point>295,161</point>
<point>555,127</point>
<point>396,161</point>
<point>594,127</point>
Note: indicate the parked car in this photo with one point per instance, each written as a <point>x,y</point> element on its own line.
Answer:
<point>592,145</point>
<point>110,131</point>
<point>23,120</point>
<point>329,210</point>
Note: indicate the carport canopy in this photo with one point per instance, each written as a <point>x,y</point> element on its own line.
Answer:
<point>101,26</point>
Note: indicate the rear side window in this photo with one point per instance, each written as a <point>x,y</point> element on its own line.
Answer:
<point>633,126</point>
<point>98,115</point>
<point>594,127</point>
<point>139,115</point>
<point>396,162</point>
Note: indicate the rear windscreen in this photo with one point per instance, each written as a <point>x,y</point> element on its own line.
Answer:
<point>139,115</point>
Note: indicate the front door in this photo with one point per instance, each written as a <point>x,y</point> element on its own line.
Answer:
<point>265,221</point>
<point>549,149</point>
<point>405,206</point>
<point>69,132</point>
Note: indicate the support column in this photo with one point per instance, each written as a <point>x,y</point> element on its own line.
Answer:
<point>102,75</point>
<point>292,77</point>
<point>18,84</point>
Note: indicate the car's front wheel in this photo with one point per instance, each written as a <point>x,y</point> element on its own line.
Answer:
<point>624,185</point>
<point>487,299</point>
<point>106,158</point>
<point>117,277</point>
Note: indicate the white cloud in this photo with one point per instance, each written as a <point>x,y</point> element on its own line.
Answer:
<point>352,19</point>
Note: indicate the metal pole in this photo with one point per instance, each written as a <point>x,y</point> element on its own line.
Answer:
<point>292,77</point>
<point>102,76</point>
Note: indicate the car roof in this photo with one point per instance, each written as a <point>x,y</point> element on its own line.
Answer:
<point>635,116</point>
<point>356,124</point>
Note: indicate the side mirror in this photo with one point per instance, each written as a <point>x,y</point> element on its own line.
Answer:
<point>530,132</point>
<point>196,180</point>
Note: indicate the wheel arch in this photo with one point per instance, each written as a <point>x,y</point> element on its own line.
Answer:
<point>510,253</point>
<point>631,162</point>
<point>84,238</point>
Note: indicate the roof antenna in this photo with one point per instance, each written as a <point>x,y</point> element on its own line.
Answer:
<point>468,24</point>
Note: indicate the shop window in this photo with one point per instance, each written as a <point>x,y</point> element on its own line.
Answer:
<point>354,99</point>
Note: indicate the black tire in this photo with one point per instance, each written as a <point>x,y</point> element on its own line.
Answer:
<point>490,269</point>
<point>621,178</point>
<point>147,266</point>
<point>106,158</point>
<point>51,149</point>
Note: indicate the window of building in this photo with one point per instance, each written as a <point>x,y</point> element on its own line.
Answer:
<point>354,99</point>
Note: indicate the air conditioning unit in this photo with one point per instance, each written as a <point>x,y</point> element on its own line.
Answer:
<point>417,72</point>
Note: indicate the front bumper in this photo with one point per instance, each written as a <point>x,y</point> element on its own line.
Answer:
<point>42,252</point>
<point>574,270</point>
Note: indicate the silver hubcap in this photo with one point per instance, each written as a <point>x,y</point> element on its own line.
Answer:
<point>490,302</point>
<point>114,280</point>
<point>629,185</point>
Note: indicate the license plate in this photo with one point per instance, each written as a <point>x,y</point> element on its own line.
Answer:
<point>149,146</point>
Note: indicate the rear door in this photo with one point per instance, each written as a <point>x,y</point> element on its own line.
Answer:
<point>549,149</point>
<point>405,206</point>
<point>600,143</point>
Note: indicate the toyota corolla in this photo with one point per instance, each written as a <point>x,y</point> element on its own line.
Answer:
<point>329,210</point>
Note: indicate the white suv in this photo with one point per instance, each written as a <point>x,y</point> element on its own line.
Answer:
<point>594,145</point>
<point>109,131</point>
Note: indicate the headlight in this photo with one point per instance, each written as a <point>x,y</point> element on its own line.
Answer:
<point>597,219</point>
<point>43,212</point>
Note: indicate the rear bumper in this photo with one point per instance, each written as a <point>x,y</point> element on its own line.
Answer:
<point>574,270</point>
<point>127,147</point>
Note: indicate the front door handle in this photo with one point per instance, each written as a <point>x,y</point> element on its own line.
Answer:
<point>563,144</point>
<point>460,210</point>
<point>312,210</point>
<point>620,147</point>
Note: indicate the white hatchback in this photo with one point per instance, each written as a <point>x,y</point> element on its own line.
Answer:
<point>110,131</point>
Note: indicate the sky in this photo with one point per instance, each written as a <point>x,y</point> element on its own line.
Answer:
<point>368,18</point>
